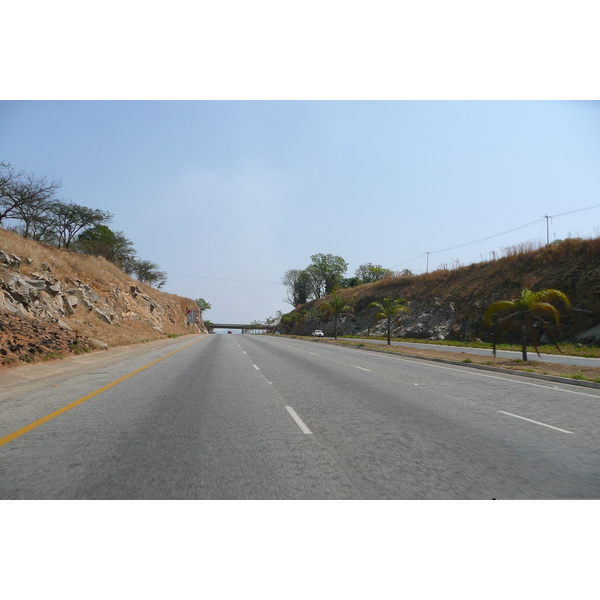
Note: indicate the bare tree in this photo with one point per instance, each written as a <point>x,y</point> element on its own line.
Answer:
<point>8,178</point>
<point>34,213</point>
<point>25,197</point>
<point>148,272</point>
<point>68,219</point>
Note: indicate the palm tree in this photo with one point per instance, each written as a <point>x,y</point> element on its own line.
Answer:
<point>526,309</point>
<point>337,307</point>
<point>270,323</point>
<point>390,309</point>
<point>308,318</point>
<point>288,322</point>
<point>255,326</point>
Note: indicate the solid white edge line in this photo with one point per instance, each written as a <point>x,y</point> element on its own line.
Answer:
<point>466,370</point>
<point>475,373</point>
<point>536,422</point>
<point>298,420</point>
<point>362,368</point>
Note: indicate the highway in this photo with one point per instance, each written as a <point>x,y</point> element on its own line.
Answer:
<point>257,417</point>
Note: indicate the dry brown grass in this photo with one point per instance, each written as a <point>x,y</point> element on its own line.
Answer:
<point>556,265</point>
<point>571,266</point>
<point>64,263</point>
<point>103,277</point>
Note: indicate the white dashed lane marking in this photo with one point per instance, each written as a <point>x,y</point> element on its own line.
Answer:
<point>536,422</point>
<point>298,420</point>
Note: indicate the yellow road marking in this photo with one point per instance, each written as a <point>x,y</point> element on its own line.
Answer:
<point>60,411</point>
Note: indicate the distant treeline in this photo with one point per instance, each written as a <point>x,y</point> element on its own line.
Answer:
<point>30,207</point>
<point>326,274</point>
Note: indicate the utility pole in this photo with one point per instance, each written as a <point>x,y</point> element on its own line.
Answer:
<point>428,253</point>
<point>547,230</point>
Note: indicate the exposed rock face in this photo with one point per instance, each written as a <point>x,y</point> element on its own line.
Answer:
<point>26,339</point>
<point>451,303</point>
<point>42,296</point>
<point>429,319</point>
<point>30,290</point>
<point>589,336</point>
<point>10,260</point>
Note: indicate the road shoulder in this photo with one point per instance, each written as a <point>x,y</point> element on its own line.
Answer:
<point>26,378</point>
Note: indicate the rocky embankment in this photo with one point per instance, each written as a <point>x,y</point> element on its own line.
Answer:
<point>434,319</point>
<point>429,319</point>
<point>451,303</point>
<point>49,312</point>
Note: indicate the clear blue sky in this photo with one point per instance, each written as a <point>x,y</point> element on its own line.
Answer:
<point>244,190</point>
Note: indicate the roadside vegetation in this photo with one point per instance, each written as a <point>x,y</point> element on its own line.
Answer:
<point>336,308</point>
<point>571,267</point>
<point>568,349</point>
<point>326,274</point>
<point>389,309</point>
<point>105,278</point>
<point>525,311</point>
<point>30,207</point>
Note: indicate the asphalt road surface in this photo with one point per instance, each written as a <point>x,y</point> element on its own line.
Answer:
<point>256,417</point>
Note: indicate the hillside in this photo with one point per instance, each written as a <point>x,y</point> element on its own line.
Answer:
<point>55,302</point>
<point>450,303</point>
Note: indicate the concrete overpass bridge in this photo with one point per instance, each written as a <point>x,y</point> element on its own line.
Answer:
<point>245,327</point>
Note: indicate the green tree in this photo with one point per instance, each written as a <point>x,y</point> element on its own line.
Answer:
<point>100,240</point>
<point>203,305</point>
<point>336,307</point>
<point>526,310</point>
<point>369,272</point>
<point>256,327</point>
<point>68,219</point>
<point>311,317</point>
<point>390,309</point>
<point>288,322</point>
<point>298,286</point>
<point>351,282</point>
<point>270,322</point>
<point>326,272</point>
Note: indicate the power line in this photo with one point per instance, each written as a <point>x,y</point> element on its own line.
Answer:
<point>574,211</point>
<point>497,234</point>
<point>409,261</point>
<point>487,238</point>
<point>412,259</point>
<point>470,243</point>
<point>223,279</point>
